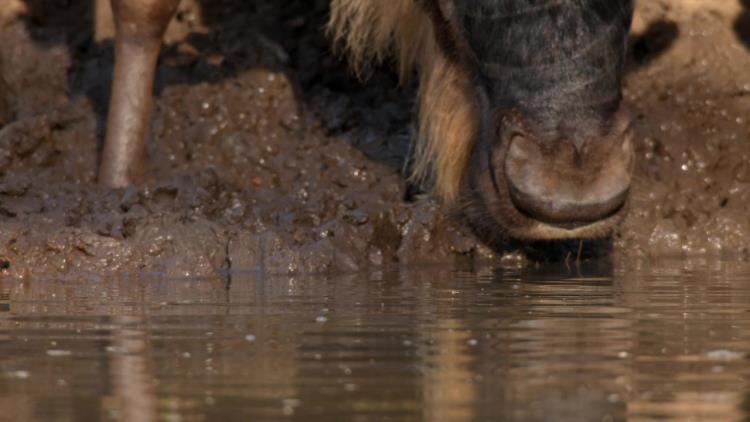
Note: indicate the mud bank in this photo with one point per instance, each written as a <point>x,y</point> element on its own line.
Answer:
<point>689,87</point>
<point>268,154</point>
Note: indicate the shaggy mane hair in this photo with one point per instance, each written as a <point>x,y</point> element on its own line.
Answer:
<point>372,31</point>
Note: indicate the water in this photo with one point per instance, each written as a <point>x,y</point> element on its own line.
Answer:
<point>659,341</point>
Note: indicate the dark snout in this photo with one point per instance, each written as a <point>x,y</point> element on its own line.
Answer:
<point>554,155</point>
<point>570,182</point>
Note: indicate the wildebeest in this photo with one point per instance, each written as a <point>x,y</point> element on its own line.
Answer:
<point>521,126</point>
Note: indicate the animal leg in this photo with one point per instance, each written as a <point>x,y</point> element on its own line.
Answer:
<point>139,28</point>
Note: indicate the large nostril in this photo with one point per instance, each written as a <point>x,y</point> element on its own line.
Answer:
<point>562,183</point>
<point>619,128</point>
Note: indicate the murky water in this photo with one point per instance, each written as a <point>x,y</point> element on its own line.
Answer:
<point>660,341</point>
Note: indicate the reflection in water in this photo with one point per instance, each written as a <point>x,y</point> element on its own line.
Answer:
<point>132,374</point>
<point>666,340</point>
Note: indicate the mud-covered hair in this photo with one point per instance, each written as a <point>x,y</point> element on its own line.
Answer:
<point>372,31</point>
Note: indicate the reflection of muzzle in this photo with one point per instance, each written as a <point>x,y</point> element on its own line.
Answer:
<point>567,182</point>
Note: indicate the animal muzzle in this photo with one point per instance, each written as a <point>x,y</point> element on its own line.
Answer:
<point>568,183</point>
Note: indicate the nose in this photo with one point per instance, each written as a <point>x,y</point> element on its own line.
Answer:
<point>571,181</point>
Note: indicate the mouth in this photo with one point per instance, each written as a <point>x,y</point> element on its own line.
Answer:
<point>517,222</point>
<point>568,215</point>
<point>495,212</point>
<point>545,230</point>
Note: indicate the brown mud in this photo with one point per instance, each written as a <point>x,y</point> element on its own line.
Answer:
<point>268,154</point>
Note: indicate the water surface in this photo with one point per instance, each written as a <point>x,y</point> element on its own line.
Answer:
<point>666,340</point>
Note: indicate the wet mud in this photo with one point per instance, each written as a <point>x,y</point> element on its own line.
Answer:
<point>691,98</point>
<point>267,153</point>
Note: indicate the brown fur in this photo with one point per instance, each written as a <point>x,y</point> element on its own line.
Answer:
<point>371,31</point>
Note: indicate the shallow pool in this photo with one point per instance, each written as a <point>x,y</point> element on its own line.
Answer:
<point>598,341</point>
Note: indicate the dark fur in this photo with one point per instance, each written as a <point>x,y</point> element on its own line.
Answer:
<point>559,62</point>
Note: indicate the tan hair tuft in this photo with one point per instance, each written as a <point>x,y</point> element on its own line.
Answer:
<point>371,31</point>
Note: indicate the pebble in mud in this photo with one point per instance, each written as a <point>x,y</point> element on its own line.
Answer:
<point>268,154</point>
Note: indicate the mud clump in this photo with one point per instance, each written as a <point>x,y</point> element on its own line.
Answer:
<point>267,154</point>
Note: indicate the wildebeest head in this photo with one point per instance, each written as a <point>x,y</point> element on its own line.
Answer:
<point>521,124</point>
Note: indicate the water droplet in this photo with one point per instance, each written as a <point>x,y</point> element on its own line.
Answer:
<point>288,405</point>
<point>724,354</point>
<point>20,374</point>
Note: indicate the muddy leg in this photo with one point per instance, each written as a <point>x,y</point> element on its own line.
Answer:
<point>139,27</point>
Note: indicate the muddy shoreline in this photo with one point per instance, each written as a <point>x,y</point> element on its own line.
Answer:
<point>269,154</point>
